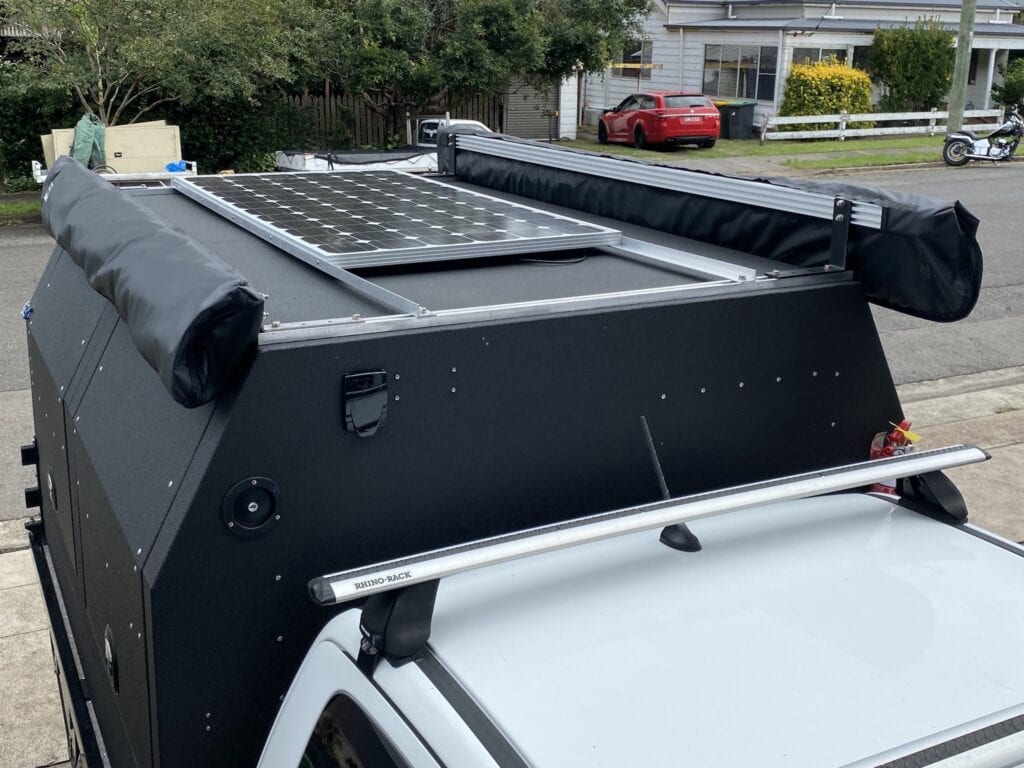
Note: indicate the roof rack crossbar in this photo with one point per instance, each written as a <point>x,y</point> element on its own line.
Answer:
<point>403,572</point>
<point>749,192</point>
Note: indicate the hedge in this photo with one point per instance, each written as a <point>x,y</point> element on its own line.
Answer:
<point>826,88</point>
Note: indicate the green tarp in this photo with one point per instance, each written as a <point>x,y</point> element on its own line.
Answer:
<point>89,146</point>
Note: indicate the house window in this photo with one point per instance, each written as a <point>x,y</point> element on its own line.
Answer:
<point>972,72</point>
<point>636,60</point>
<point>734,71</point>
<point>814,55</point>
<point>861,56</point>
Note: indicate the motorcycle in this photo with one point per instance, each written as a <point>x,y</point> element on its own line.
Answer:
<point>963,146</point>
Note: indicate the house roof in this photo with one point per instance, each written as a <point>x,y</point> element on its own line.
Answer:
<point>841,25</point>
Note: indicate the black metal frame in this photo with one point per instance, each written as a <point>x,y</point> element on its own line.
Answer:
<point>80,726</point>
<point>841,212</point>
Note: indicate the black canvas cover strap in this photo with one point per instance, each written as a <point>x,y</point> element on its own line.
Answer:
<point>192,317</point>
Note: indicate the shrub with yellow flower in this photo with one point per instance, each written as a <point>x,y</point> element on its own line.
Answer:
<point>827,87</point>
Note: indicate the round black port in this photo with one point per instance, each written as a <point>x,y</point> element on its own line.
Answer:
<point>252,507</point>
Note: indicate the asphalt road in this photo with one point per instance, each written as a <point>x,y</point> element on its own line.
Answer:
<point>23,254</point>
<point>993,336</point>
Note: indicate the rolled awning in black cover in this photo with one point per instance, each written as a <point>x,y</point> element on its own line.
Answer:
<point>925,261</point>
<point>192,317</point>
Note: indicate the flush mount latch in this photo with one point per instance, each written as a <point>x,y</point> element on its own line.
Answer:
<point>364,400</point>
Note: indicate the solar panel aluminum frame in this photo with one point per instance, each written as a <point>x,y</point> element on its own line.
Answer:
<point>330,263</point>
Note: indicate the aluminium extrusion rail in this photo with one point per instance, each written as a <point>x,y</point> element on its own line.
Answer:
<point>404,572</point>
<point>716,274</point>
<point>756,193</point>
<point>358,325</point>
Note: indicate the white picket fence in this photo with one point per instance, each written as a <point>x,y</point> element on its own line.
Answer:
<point>843,119</point>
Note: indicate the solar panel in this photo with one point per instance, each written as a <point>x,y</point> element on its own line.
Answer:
<point>351,218</point>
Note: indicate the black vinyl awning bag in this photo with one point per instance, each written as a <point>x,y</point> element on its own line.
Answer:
<point>925,261</point>
<point>192,317</point>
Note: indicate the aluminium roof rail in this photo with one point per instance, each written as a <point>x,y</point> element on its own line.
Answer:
<point>405,572</point>
<point>842,212</point>
<point>747,191</point>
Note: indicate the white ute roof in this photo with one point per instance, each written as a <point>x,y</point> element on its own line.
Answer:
<point>812,633</point>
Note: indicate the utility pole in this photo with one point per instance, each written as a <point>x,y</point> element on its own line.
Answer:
<point>964,42</point>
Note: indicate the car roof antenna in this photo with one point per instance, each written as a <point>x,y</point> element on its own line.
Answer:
<point>677,536</point>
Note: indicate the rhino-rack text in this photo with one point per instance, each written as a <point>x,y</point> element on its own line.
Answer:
<point>390,578</point>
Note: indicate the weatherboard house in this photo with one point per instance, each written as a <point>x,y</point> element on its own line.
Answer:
<point>744,49</point>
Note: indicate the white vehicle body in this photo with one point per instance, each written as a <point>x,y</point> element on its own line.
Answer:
<point>427,128</point>
<point>412,162</point>
<point>832,631</point>
<point>418,157</point>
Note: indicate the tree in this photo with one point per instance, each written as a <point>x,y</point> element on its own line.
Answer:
<point>585,35</point>
<point>422,55</point>
<point>914,65</point>
<point>1011,92</point>
<point>123,58</point>
<point>400,54</point>
<point>24,115</point>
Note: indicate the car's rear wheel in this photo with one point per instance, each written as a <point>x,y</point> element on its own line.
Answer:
<point>707,144</point>
<point>602,134</point>
<point>639,138</point>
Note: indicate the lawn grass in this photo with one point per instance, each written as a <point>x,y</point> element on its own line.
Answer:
<point>752,148</point>
<point>865,160</point>
<point>901,149</point>
<point>19,212</point>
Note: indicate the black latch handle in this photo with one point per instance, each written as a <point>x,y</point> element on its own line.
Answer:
<point>365,401</point>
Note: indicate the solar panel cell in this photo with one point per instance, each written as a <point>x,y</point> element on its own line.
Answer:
<point>375,218</point>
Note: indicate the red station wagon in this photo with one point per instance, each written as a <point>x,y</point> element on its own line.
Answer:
<point>661,117</point>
